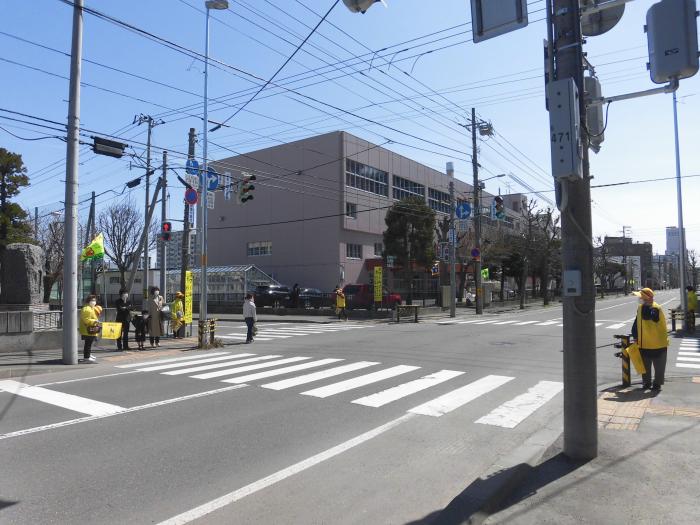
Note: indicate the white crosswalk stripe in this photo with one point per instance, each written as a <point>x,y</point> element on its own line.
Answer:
<point>688,354</point>
<point>511,413</point>
<point>547,323</point>
<point>285,331</point>
<point>280,371</point>
<point>202,368</point>
<point>506,322</point>
<point>524,323</point>
<point>248,368</point>
<point>318,376</point>
<point>171,360</point>
<point>455,399</point>
<point>357,382</point>
<point>392,394</point>
<point>615,325</point>
<point>179,364</point>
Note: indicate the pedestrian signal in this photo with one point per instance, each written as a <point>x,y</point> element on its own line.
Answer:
<point>166,231</point>
<point>499,208</point>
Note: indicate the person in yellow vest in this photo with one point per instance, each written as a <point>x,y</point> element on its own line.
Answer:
<point>692,307</point>
<point>89,326</point>
<point>177,314</point>
<point>340,303</point>
<point>651,334</point>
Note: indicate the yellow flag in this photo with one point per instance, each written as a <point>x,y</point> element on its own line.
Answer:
<point>96,249</point>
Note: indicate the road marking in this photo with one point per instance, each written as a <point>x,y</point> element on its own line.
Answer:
<point>695,353</point>
<point>210,366</point>
<point>88,378</point>
<point>505,322</point>
<point>280,371</point>
<point>239,369</point>
<point>174,359</point>
<point>455,399</point>
<point>598,324</point>
<point>487,322</point>
<point>469,322</point>
<point>244,337</point>
<point>689,359</point>
<point>615,326</point>
<point>280,475</point>
<point>234,335</point>
<point>560,325</point>
<point>357,382</point>
<point>70,422</point>
<point>511,413</point>
<point>524,323</point>
<point>546,323</point>
<point>392,394</point>
<point>687,365</point>
<point>317,376</point>
<point>198,362</point>
<point>59,399</point>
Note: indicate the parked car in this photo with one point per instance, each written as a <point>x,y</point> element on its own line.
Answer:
<point>362,296</point>
<point>312,298</point>
<point>274,295</point>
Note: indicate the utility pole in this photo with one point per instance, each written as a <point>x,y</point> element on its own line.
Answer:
<point>163,218</point>
<point>453,241</point>
<point>580,381</point>
<point>186,224</point>
<point>89,235</point>
<point>143,242</point>
<point>70,246</point>
<point>624,257</point>
<point>682,258</point>
<point>477,220</point>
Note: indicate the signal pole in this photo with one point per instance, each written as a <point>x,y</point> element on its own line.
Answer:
<point>186,224</point>
<point>580,384</point>
<point>624,256</point>
<point>453,241</point>
<point>163,218</point>
<point>477,220</point>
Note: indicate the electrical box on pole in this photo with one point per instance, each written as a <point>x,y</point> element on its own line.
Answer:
<point>564,127</point>
<point>672,37</point>
<point>492,18</point>
<point>594,113</point>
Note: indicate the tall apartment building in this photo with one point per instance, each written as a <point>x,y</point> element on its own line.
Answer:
<point>319,206</point>
<point>673,240</point>
<point>173,251</point>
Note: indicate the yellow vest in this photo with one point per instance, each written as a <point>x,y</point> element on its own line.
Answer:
<point>340,300</point>
<point>651,335</point>
<point>692,301</point>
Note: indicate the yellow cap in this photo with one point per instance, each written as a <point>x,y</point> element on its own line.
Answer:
<point>645,293</point>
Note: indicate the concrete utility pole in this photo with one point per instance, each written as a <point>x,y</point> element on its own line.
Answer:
<point>163,218</point>
<point>580,381</point>
<point>89,236</point>
<point>477,220</point>
<point>186,224</point>
<point>144,240</point>
<point>682,258</point>
<point>624,257</point>
<point>453,241</point>
<point>70,226</point>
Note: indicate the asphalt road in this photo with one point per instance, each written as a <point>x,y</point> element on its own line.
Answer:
<point>356,422</point>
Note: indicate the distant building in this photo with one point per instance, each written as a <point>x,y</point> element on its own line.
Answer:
<point>173,251</point>
<point>673,240</point>
<point>639,259</point>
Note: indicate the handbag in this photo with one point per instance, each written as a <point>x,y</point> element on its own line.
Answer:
<point>94,329</point>
<point>255,329</point>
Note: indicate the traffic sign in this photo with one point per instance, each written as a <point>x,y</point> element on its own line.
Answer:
<point>192,167</point>
<point>463,210</point>
<point>462,225</point>
<point>191,196</point>
<point>475,252</point>
<point>211,200</point>
<point>192,180</point>
<point>228,185</point>
<point>212,179</point>
<point>452,236</point>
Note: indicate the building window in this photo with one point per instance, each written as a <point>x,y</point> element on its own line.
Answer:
<point>366,178</point>
<point>353,251</point>
<point>404,188</point>
<point>351,210</point>
<point>378,249</point>
<point>439,200</point>
<point>114,280</point>
<point>256,249</point>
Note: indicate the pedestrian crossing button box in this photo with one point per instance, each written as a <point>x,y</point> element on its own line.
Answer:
<point>571,283</point>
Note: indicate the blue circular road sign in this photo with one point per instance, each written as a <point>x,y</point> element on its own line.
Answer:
<point>463,210</point>
<point>191,196</point>
<point>192,167</point>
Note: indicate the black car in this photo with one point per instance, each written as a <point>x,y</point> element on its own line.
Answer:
<point>274,295</point>
<point>312,298</point>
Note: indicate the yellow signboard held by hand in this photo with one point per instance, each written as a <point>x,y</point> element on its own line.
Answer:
<point>111,330</point>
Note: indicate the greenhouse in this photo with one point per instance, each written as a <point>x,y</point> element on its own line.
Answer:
<point>227,284</point>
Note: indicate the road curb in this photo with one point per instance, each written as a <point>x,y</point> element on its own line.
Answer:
<point>484,495</point>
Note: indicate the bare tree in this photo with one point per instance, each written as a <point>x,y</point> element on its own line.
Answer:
<point>50,237</point>
<point>122,226</point>
<point>530,220</point>
<point>693,266</point>
<point>548,232</point>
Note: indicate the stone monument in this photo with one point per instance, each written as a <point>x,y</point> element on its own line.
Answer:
<point>21,275</point>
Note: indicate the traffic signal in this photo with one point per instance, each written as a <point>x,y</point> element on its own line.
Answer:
<point>245,193</point>
<point>166,230</point>
<point>500,210</point>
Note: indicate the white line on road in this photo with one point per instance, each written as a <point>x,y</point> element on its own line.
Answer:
<point>212,366</point>
<point>547,323</point>
<point>689,359</point>
<point>243,337</point>
<point>615,326</point>
<point>198,362</point>
<point>487,322</point>
<point>70,422</point>
<point>280,371</point>
<point>172,360</point>
<point>357,382</point>
<point>455,399</point>
<point>256,486</point>
<point>234,335</point>
<point>88,378</point>
<point>524,323</point>
<point>80,404</point>
<point>239,369</point>
<point>317,376</point>
<point>695,353</point>
<point>687,365</point>
<point>513,412</point>
<point>505,322</point>
<point>392,394</point>
<point>598,324</point>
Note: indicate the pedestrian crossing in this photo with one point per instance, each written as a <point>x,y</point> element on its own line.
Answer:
<point>689,353</point>
<point>278,331</point>
<point>382,385</point>
<point>509,323</point>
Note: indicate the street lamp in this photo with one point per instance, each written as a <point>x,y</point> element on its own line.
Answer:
<point>218,5</point>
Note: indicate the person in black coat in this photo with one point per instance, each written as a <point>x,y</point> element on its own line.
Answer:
<point>124,308</point>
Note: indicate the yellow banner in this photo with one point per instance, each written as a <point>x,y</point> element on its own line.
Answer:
<point>377,284</point>
<point>111,330</point>
<point>188,297</point>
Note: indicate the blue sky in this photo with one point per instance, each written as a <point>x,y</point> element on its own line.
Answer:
<point>414,91</point>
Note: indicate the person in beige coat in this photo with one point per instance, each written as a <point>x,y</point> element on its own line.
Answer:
<point>155,317</point>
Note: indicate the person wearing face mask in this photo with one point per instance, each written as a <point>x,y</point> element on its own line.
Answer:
<point>124,307</point>
<point>89,327</point>
<point>155,321</point>
<point>651,334</point>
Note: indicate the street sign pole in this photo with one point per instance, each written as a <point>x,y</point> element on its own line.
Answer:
<point>453,242</point>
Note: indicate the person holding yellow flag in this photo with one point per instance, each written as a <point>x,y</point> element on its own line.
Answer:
<point>651,334</point>
<point>692,307</point>
<point>95,250</point>
<point>177,315</point>
<point>89,326</point>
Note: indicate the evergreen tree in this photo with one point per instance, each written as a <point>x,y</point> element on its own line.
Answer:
<point>13,219</point>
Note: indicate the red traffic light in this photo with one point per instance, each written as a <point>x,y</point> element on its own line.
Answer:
<point>165,231</point>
